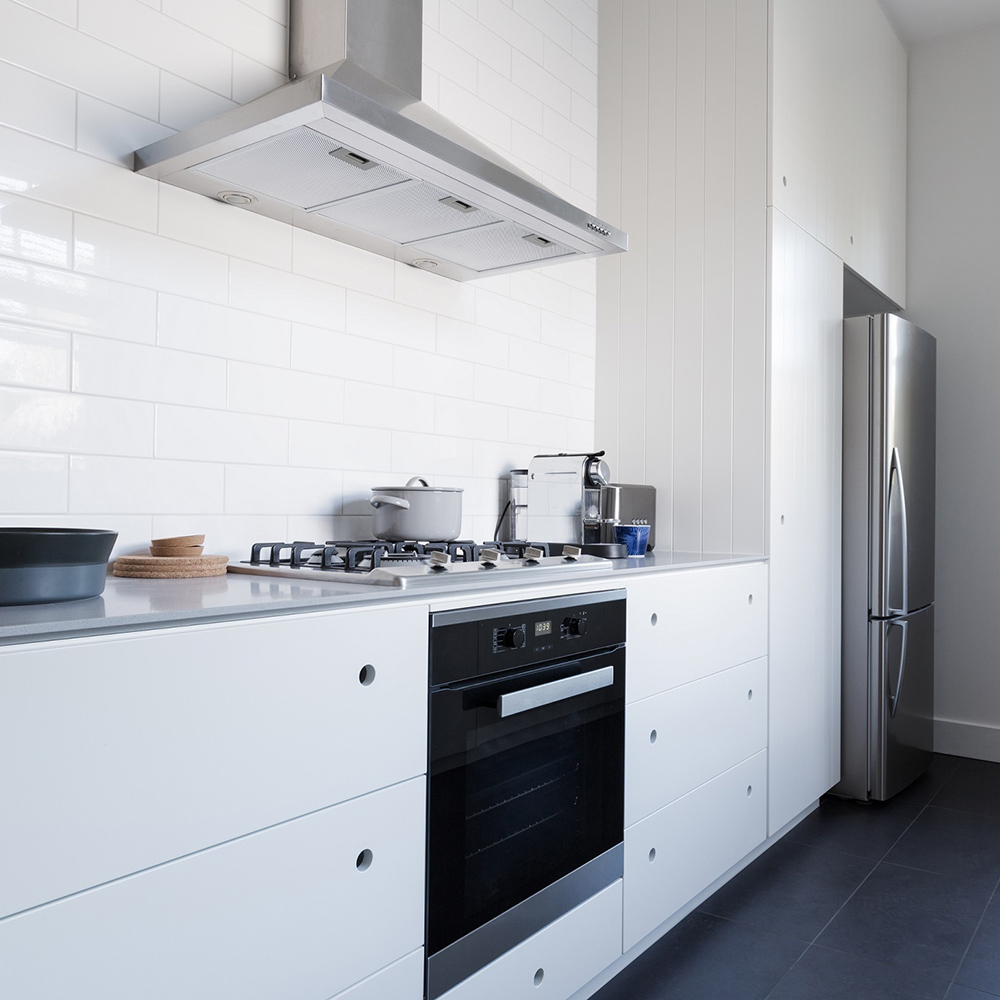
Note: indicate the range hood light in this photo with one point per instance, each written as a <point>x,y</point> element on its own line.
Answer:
<point>349,151</point>
<point>425,263</point>
<point>236,198</point>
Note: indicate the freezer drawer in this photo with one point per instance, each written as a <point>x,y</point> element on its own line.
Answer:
<point>901,657</point>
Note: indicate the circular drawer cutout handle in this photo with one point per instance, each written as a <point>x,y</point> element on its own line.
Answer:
<point>652,855</point>
<point>749,790</point>
<point>652,736</point>
<point>750,599</point>
<point>364,861</point>
<point>539,976</point>
<point>750,694</point>
<point>652,619</point>
<point>367,675</point>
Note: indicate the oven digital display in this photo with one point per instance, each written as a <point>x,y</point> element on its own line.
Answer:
<point>543,628</point>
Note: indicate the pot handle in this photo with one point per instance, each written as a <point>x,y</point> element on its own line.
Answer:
<point>381,498</point>
<point>417,481</point>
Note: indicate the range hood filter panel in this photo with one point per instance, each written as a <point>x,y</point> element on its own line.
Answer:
<point>296,168</point>
<point>491,246</point>
<point>405,213</point>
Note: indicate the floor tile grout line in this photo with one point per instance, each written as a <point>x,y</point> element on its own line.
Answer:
<point>982,917</point>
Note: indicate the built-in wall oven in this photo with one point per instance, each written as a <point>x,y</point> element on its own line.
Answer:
<point>526,772</point>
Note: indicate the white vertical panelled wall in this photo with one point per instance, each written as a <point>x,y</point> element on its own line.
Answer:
<point>681,326</point>
<point>805,430</point>
<point>954,247</point>
<point>169,364</point>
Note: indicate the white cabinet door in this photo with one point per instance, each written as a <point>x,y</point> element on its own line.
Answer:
<point>677,852</point>
<point>687,624</point>
<point>678,740</point>
<point>301,910</point>
<point>804,520</point>
<point>403,980</point>
<point>120,753</point>
<point>557,961</point>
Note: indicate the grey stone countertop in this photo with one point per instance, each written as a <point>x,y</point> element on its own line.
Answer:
<point>132,604</point>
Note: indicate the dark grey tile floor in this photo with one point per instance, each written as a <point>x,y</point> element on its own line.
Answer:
<point>888,901</point>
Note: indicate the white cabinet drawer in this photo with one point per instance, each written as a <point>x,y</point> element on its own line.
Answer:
<point>680,739</point>
<point>677,852</point>
<point>403,980</point>
<point>691,623</point>
<point>557,961</point>
<point>121,753</point>
<point>286,912</point>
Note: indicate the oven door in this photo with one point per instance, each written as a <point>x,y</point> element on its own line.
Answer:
<point>525,805</point>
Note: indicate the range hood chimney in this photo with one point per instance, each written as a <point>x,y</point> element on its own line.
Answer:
<point>347,149</point>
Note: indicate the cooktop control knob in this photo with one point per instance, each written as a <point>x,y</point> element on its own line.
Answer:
<point>512,638</point>
<point>575,626</point>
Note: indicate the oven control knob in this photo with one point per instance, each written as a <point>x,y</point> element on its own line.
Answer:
<point>575,626</point>
<point>512,638</point>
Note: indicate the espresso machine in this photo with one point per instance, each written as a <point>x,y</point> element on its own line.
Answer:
<point>569,498</point>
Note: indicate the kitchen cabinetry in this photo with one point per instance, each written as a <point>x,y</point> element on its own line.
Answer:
<point>838,133</point>
<point>805,520</point>
<point>695,736</point>
<point>214,787</point>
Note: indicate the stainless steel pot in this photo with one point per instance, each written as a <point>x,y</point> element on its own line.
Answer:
<point>416,512</point>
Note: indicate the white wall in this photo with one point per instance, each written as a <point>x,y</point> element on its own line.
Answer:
<point>169,364</point>
<point>681,323</point>
<point>953,291</point>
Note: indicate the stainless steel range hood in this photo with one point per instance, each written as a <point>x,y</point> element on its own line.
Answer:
<point>347,149</point>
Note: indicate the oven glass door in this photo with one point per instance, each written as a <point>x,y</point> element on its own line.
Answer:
<point>525,786</point>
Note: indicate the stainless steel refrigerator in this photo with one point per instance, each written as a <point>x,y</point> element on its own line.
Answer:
<point>888,568</point>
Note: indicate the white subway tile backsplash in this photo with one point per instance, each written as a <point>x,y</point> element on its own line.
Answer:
<point>312,444</point>
<point>144,486</point>
<point>159,40</point>
<point>31,103</point>
<point>73,180</point>
<point>462,418</point>
<point>32,230</point>
<point>251,489</point>
<point>472,343</point>
<point>581,435</point>
<point>61,10</point>
<point>475,37</point>
<point>506,388</point>
<point>198,435</point>
<point>288,296</point>
<point>252,79</point>
<point>392,322</point>
<point>70,301</point>
<point>328,260</point>
<point>549,22</point>
<point>429,372</point>
<point>236,26</point>
<point>498,312</point>
<point>206,328</point>
<point>72,423</point>
<point>204,222</point>
<point>33,484</point>
<point>112,133</point>
<point>433,456</point>
<point>55,50</point>
<point>139,371</point>
<point>278,392</point>
<point>29,356</point>
<point>388,407</point>
<point>529,74</point>
<point>108,250</point>
<point>327,352</point>
<point>183,103</point>
<point>169,365</point>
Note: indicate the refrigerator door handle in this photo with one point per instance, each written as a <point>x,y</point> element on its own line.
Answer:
<point>896,472</point>
<point>894,697</point>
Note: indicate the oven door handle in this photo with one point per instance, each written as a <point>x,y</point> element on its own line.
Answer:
<point>515,702</point>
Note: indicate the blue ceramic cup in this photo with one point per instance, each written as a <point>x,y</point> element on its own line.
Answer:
<point>634,537</point>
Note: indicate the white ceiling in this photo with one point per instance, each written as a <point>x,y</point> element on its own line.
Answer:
<point>920,21</point>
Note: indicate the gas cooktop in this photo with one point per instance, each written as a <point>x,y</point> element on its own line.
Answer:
<point>418,564</point>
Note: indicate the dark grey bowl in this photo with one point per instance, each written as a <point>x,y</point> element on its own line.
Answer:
<point>42,565</point>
